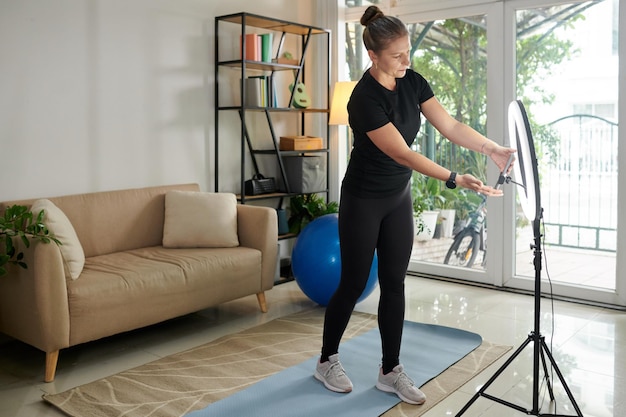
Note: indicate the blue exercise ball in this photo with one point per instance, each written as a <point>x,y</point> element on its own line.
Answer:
<point>316,261</point>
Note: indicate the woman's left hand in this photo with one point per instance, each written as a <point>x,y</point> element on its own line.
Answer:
<point>472,183</point>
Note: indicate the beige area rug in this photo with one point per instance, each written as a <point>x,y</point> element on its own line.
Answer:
<point>190,380</point>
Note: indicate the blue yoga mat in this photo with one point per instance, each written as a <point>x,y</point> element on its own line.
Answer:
<point>427,351</point>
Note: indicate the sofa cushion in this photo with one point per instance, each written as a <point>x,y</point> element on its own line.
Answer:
<point>200,220</point>
<point>60,226</point>
<point>127,290</point>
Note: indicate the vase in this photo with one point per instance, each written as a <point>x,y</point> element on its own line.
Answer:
<point>447,223</point>
<point>430,222</point>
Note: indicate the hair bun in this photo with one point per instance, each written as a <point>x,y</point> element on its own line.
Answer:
<point>371,13</point>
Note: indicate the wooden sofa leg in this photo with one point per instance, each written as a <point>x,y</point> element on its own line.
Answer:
<point>51,365</point>
<point>261,297</point>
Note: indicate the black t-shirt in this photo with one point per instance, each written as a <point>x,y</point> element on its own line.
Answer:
<point>371,173</point>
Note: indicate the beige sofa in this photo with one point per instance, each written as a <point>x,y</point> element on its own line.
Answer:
<point>129,279</point>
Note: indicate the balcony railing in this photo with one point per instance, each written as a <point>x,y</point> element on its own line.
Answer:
<point>579,187</point>
<point>578,180</point>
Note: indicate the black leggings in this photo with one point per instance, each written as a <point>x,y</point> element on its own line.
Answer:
<point>365,225</point>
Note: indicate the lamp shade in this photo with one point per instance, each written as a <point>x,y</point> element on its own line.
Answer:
<point>338,107</point>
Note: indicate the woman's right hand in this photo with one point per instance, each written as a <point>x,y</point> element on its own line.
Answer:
<point>500,156</point>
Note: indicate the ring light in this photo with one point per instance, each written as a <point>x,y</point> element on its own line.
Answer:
<point>525,170</point>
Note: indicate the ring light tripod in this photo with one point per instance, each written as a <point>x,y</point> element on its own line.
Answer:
<point>526,175</point>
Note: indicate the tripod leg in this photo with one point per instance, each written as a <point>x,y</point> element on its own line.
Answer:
<point>545,372</point>
<point>561,378</point>
<point>493,378</point>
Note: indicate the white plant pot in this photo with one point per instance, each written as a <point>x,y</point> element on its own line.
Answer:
<point>430,222</point>
<point>447,224</point>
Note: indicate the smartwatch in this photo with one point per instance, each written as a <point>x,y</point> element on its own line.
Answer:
<point>451,183</point>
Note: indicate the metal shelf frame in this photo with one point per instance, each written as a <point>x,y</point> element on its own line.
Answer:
<point>282,28</point>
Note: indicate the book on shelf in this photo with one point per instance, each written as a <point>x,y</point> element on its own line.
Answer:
<point>258,47</point>
<point>260,91</point>
<point>266,47</point>
<point>252,88</point>
<point>253,47</point>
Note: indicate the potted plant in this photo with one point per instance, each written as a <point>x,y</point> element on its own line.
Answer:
<point>304,208</point>
<point>20,223</point>
<point>445,201</point>
<point>424,206</point>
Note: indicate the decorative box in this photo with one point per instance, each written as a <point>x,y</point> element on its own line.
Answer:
<point>300,143</point>
<point>306,173</point>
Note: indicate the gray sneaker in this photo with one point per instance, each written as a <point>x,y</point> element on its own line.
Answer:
<point>333,376</point>
<point>400,384</point>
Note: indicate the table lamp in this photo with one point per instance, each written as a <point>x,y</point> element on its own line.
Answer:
<point>339,107</point>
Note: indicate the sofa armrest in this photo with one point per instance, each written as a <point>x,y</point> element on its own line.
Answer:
<point>257,228</point>
<point>34,301</point>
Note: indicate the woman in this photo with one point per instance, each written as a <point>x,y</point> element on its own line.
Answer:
<point>375,211</point>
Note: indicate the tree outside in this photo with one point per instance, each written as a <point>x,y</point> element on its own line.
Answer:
<point>452,55</point>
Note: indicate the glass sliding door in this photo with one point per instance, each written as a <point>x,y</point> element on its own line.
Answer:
<point>451,53</point>
<point>561,58</point>
<point>566,64</point>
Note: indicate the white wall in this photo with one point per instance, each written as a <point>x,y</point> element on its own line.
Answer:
<point>110,94</point>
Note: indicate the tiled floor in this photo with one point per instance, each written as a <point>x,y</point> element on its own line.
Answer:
<point>577,267</point>
<point>589,344</point>
<point>595,269</point>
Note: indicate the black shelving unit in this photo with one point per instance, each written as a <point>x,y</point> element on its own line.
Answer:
<point>281,29</point>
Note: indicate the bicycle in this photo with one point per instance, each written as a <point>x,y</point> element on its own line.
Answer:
<point>470,239</point>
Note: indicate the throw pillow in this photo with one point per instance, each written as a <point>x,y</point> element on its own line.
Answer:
<point>60,226</point>
<point>196,219</point>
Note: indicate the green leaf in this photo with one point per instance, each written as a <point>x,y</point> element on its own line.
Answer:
<point>10,251</point>
<point>18,221</point>
<point>8,242</point>
<point>40,217</point>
